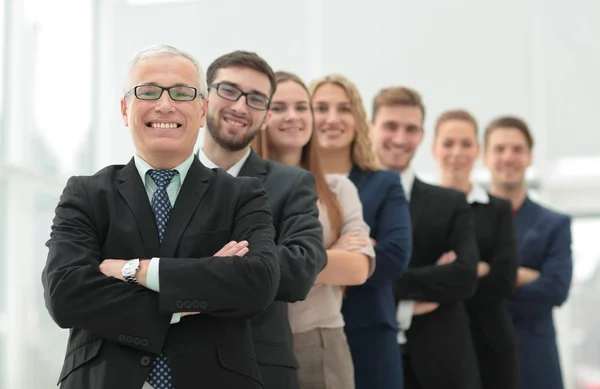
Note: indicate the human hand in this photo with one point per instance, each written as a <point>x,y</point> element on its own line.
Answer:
<point>424,307</point>
<point>112,268</point>
<point>233,248</point>
<point>349,242</point>
<point>526,276</point>
<point>483,269</point>
<point>447,258</point>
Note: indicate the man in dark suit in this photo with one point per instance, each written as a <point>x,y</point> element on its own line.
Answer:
<point>152,268</point>
<point>544,242</point>
<point>240,88</point>
<point>437,346</point>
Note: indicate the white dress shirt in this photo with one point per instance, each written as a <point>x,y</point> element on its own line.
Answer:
<point>234,170</point>
<point>405,308</point>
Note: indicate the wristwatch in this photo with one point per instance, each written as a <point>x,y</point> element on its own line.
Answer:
<point>130,269</point>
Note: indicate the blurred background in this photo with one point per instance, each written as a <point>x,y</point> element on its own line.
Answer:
<point>62,64</point>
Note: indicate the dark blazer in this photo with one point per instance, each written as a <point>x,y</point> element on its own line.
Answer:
<point>544,241</point>
<point>117,329</point>
<point>368,309</point>
<point>299,238</point>
<point>385,210</point>
<point>439,348</point>
<point>491,325</point>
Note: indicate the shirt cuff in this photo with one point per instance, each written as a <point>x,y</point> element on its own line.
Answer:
<point>152,278</point>
<point>176,317</point>
<point>404,314</point>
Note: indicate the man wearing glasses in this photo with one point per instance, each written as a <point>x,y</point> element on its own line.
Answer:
<point>240,88</point>
<point>156,266</point>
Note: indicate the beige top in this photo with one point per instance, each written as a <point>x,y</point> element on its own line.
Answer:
<point>322,307</point>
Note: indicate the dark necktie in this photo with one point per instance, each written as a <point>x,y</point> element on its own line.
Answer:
<point>160,375</point>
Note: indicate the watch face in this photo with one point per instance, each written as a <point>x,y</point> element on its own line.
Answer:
<point>130,267</point>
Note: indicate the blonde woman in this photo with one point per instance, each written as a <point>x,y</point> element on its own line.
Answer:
<point>317,324</point>
<point>369,310</point>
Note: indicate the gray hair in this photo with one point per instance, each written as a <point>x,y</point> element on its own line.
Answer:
<point>156,51</point>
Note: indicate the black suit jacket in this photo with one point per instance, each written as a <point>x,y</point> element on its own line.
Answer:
<point>299,238</point>
<point>439,346</point>
<point>492,328</point>
<point>117,329</point>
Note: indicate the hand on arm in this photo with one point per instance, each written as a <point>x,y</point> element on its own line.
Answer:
<point>112,267</point>
<point>526,276</point>
<point>345,266</point>
<point>454,276</point>
<point>483,269</point>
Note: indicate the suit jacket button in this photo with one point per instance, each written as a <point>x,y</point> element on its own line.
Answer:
<point>179,304</point>
<point>145,361</point>
<point>121,338</point>
<point>137,341</point>
<point>130,339</point>
<point>195,304</point>
<point>145,342</point>
<point>203,305</point>
<point>187,305</point>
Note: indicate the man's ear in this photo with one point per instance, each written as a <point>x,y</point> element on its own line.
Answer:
<point>124,112</point>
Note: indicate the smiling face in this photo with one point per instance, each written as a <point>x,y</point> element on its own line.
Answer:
<point>291,122</point>
<point>334,118</point>
<point>456,149</point>
<point>233,124</point>
<point>507,155</point>
<point>397,133</point>
<point>164,129</point>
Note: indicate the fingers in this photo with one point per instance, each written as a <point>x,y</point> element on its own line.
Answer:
<point>188,313</point>
<point>233,248</point>
<point>447,258</point>
<point>421,308</point>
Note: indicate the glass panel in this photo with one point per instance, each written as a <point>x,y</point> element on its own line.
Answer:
<point>583,334</point>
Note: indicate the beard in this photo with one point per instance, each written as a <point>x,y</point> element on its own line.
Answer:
<point>217,131</point>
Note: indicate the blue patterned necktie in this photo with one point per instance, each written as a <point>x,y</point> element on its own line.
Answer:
<point>160,375</point>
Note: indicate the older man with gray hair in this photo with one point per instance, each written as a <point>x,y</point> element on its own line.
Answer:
<point>156,266</point>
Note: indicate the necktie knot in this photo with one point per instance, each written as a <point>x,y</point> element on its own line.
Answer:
<point>162,178</point>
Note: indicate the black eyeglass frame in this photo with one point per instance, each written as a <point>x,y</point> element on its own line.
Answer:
<point>242,94</point>
<point>134,91</point>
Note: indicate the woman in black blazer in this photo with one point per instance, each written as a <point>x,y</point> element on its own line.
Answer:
<point>456,149</point>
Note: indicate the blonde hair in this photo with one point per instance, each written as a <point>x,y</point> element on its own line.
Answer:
<point>362,153</point>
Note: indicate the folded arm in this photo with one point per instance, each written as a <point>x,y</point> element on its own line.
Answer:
<point>394,237</point>
<point>78,295</point>
<point>551,289</point>
<point>300,241</point>
<point>500,281</point>
<point>351,259</point>
<point>231,285</point>
<point>450,282</point>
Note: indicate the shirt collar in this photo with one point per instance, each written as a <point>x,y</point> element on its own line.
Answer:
<point>234,170</point>
<point>478,195</point>
<point>143,167</point>
<point>407,178</point>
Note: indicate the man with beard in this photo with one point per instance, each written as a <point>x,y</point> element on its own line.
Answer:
<point>241,85</point>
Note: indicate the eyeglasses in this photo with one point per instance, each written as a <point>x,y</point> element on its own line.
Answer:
<point>154,92</point>
<point>231,93</point>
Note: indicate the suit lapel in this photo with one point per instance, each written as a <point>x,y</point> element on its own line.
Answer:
<point>132,190</point>
<point>358,177</point>
<point>418,196</point>
<point>254,166</point>
<point>193,189</point>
